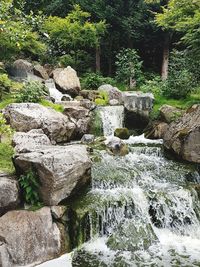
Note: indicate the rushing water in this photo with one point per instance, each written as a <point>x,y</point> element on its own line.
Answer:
<point>54,92</point>
<point>112,118</point>
<point>142,210</point>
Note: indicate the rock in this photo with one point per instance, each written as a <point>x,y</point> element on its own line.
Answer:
<point>114,102</point>
<point>61,170</point>
<point>28,238</point>
<point>183,135</point>
<point>33,78</point>
<point>24,117</point>
<point>116,146</point>
<point>156,130</point>
<point>66,97</point>
<point>40,71</point>
<point>138,101</point>
<point>113,92</point>
<point>20,69</point>
<point>90,94</point>
<point>67,81</point>
<point>76,112</point>
<point>137,107</point>
<point>25,142</point>
<point>87,138</point>
<point>58,211</point>
<point>78,98</point>
<point>169,113</point>
<point>9,193</point>
<point>122,133</point>
<point>82,127</point>
<point>86,103</point>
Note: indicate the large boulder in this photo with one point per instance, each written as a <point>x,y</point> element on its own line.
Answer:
<point>169,113</point>
<point>61,170</point>
<point>20,69</point>
<point>40,71</point>
<point>137,107</point>
<point>67,81</point>
<point>113,92</point>
<point>183,135</point>
<point>28,238</point>
<point>25,142</point>
<point>24,117</point>
<point>156,130</point>
<point>9,193</point>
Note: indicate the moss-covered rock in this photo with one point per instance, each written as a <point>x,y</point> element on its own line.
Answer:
<point>122,133</point>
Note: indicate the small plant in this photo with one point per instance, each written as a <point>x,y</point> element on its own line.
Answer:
<point>5,84</point>
<point>103,99</point>
<point>32,92</point>
<point>30,187</point>
<point>92,81</point>
<point>4,128</point>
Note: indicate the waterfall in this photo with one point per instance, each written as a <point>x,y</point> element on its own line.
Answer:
<point>112,118</point>
<point>54,92</point>
<point>142,210</point>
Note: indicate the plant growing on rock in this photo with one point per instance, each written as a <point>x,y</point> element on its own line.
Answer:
<point>32,92</point>
<point>5,84</point>
<point>103,99</point>
<point>30,186</point>
<point>4,128</point>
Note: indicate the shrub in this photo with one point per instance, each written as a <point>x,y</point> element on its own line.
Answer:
<point>32,92</point>
<point>92,81</point>
<point>180,81</point>
<point>30,187</point>
<point>103,99</point>
<point>128,66</point>
<point>153,86</point>
<point>5,84</point>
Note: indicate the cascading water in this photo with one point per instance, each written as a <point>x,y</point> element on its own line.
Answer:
<point>112,118</point>
<point>142,210</point>
<point>54,92</point>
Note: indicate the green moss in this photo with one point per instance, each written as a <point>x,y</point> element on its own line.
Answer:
<point>56,107</point>
<point>122,133</point>
<point>6,153</point>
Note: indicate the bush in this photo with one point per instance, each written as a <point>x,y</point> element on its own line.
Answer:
<point>32,92</point>
<point>30,188</point>
<point>92,81</point>
<point>180,81</point>
<point>103,99</point>
<point>153,86</point>
<point>5,84</point>
<point>128,66</point>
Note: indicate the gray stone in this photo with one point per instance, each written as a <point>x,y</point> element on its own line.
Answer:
<point>116,146</point>
<point>28,238</point>
<point>87,138</point>
<point>113,92</point>
<point>169,113</point>
<point>58,211</point>
<point>114,102</point>
<point>40,71</point>
<point>157,130</point>
<point>61,170</point>
<point>9,192</point>
<point>24,117</point>
<point>183,135</point>
<point>20,69</point>
<point>67,81</point>
<point>25,142</point>
<point>86,103</point>
<point>90,94</point>
<point>138,101</point>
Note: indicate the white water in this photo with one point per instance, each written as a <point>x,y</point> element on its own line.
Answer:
<point>54,92</point>
<point>112,118</point>
<point>63,261</point>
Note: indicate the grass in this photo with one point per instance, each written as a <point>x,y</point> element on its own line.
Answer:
<point>6,153</point>
<point>56,107</point>
<point>6,100</point>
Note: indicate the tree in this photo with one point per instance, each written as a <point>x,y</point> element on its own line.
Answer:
<point>74,32</point>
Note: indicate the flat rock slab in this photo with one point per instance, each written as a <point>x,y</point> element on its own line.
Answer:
<point>9,192</point>
<point>62,170</point>
<point>28,238</point>
<point>24,117</point>
<point>138,101</point>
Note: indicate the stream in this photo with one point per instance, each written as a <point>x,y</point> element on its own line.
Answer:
<point>140,210</point>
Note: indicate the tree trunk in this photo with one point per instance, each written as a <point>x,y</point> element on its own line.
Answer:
<point>98,58</point>
<point>165,62</point>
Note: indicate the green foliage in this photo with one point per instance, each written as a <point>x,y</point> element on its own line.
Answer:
<point>128,66</point>
<point>152,86</point>
<point>4,128</point>
<point>6,153</point>
<point>30,187</point>
<point>180,81</point>
<point>96,127</point>
<point>103,99</point>
<point>32,92</point>
<point>56,107</point>
<point>92,81</point>
<point>73,32</point>
<point>5,84</point>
